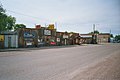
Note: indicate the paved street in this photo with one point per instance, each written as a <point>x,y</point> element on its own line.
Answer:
<point>58,64</point>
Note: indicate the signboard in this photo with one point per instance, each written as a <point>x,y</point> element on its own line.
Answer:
<point>47,32</point>
<point>1,37</point>
<point>65,36</point>
<point>38,26</point>
<point>29,43</point>
<point>51,26</point>
<point>71,34</point>
<point>29,35</point>
<point>58,39</point>
<point>86,36</point>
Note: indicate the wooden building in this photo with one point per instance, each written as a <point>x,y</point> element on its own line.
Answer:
<point>46,36</point>
<point>67,38</point>
<point>27,37</point>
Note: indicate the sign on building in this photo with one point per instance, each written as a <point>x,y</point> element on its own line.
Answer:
<point>38,26</point>
<point>47,32</point>
<point>29,35</point>
<point>58,39</point>
<point>1,37</point>
<point>65,36</point>
<point>51,26</point>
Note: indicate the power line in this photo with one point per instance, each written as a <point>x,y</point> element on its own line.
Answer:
<point>25,15</point>
<point>29,16</point>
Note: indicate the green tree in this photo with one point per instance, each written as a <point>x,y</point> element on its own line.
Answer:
<point>6,22</point>
<point>111,35</point>
<point>1,9</point>
<point>117,37</point>
<point>10,22</point>
<point>96,31</point>
<point>19,26</point>
<point>2,18</point>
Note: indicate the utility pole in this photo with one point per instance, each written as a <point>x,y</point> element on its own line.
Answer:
<point>93,35</point>
<point>56,25</point>
<point>93,28</point>
<point>111,36</point>
<point>110,31</point>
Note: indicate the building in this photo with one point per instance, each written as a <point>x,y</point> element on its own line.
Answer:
<point>74,38</point>
<point>86,38</point>
<point>62,38</point>
<point>46,36</point>
<point>27,37</point>
<point>67,38</point>
<point>9,39</point>
<point>103,38</point>
<point>95,38</point>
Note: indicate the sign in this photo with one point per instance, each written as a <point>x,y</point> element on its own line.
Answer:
<point>52,43</point>
<point>58,39</point>
<point>47,32</point>
<point>51,26</point>
<point>65,36</point>
<point>86,36</point>
<point>71,34</point>
<point>29,43</point>
<point>29,35</point>
<point>1,37</point>
<point>38,26</point>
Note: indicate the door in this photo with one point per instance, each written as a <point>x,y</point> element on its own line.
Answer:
<point>9,42</point>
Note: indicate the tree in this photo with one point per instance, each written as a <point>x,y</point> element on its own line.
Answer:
<point>10,22</point>
<point>1,9</point>
<point>2,17</point>
<point>96,32</point>
<point>19,26</point>
<point>6,22</point>
<point>117,38</point>
<point>111,35</point>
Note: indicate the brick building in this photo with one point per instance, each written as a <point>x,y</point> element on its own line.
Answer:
<point>103,38</point>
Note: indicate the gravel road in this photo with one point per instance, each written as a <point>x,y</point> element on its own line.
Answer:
<point>91,62</point>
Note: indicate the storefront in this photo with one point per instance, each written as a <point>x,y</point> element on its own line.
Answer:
<point>46,36</point>
<point>28,37</point>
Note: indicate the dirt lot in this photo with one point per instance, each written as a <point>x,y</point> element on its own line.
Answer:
<point>108,69</point>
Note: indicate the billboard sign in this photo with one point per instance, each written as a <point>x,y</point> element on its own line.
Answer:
<point>47,32</point>
<point>51,26</point>
<point>65,36</point>
<point>29,35</point>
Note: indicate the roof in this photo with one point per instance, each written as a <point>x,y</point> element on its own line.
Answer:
<point>104,34</point>
<point>86,35</point>
<point>9,32</point>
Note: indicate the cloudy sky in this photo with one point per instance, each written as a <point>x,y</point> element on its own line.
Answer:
<point>69,15</point>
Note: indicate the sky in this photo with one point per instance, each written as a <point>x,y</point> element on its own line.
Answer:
<point>67,15</point>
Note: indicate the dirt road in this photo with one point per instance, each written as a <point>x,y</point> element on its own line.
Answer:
<point>91,62</point>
